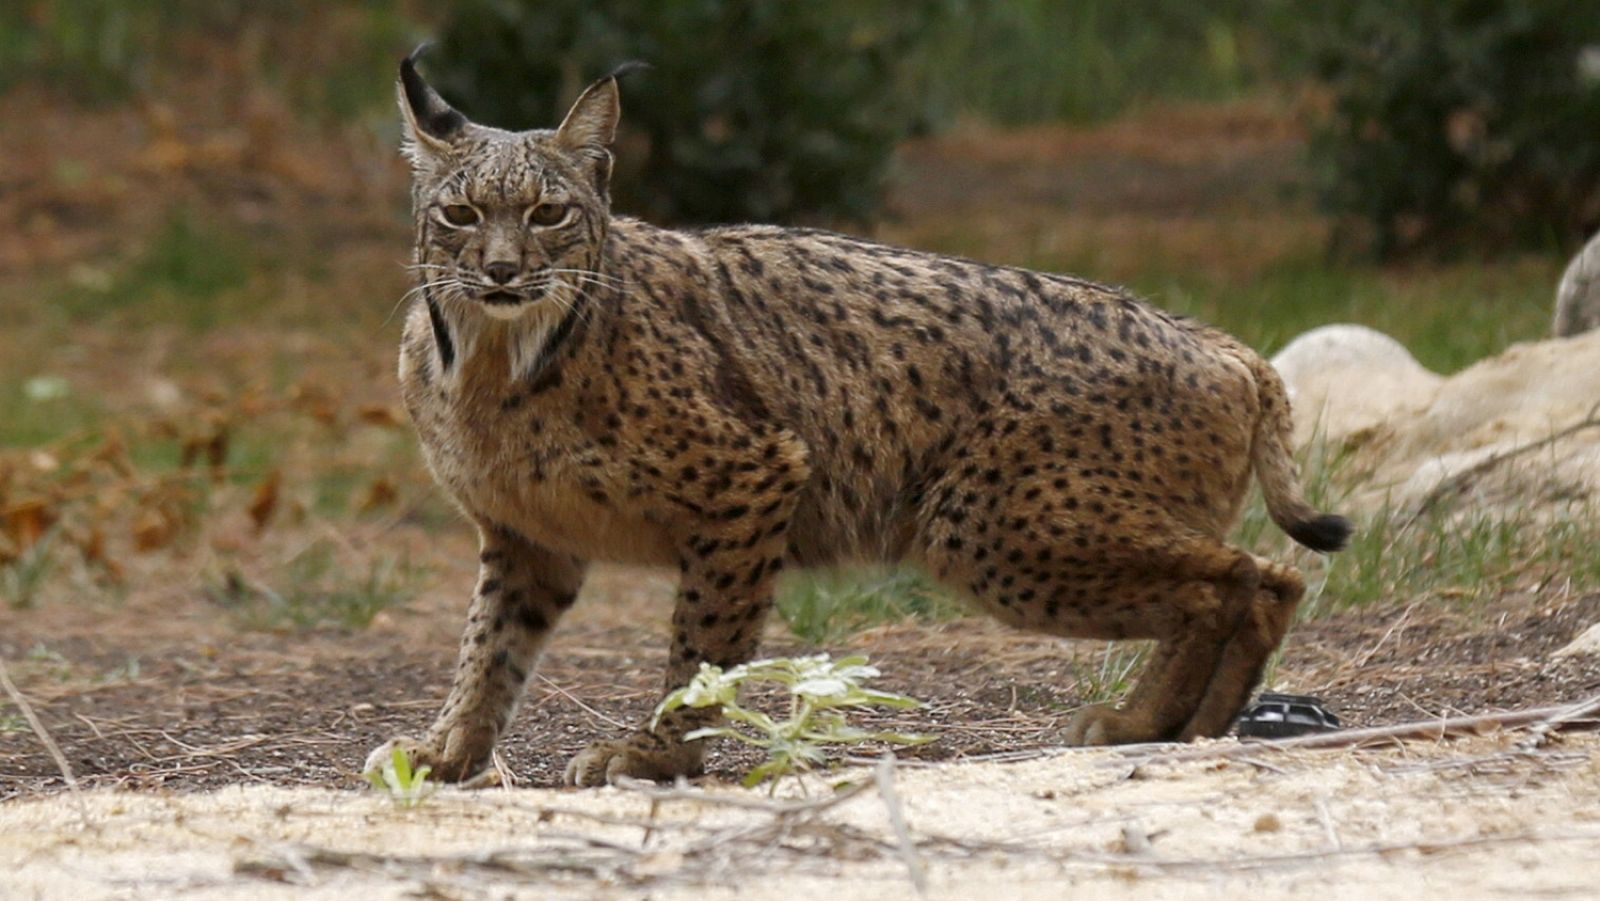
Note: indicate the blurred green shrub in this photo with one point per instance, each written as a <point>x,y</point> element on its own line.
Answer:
<point>330,57</point>
<point>1458,124</point>
<point>1019,61</point>
<point>766,110</point>
<point>93,49</point>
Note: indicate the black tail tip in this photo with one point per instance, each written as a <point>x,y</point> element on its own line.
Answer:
<point>1326,533</point>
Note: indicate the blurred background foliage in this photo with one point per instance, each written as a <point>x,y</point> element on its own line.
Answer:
<point>1461,123</point>
<point>764,110</point>
<point>1438,125</point>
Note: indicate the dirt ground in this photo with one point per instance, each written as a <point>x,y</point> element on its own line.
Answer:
<point>208,706</point>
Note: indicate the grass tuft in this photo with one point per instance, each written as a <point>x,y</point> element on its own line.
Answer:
<point>317,589</point>
<point>823,607</point>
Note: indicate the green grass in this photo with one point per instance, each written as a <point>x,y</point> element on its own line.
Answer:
<point>1045,60</point>
<point>405,787</point>
<point>316,589</point>
<point>1448,317</point>
<point>1466,555</point>
<point>320,55</point>
<point>1466,559</point>
<point>1110,676</point>
<point>21,579</point>
<point>822,607</point>
<point>192,271</point>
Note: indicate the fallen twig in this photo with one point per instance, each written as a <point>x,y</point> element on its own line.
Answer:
<point>582,706</point>
<point>1543,719</point>
<point>1458,482</point>
<point>782,808</point>
<point>44,736</point>
<point>1426,846</point>
<point>884,777</point>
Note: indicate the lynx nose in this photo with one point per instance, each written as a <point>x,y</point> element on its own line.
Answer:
<point>501,272</point>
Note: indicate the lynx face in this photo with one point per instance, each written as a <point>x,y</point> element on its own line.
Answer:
<point>508,223</point>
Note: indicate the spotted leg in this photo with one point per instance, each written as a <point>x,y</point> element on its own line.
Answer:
<point>522,591</point>
<point>728,569</point>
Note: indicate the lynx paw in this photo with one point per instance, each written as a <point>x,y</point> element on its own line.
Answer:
<point>640,756</point>
<point>383,755</point>
<point>444,766</point>
<point>1104,724</point>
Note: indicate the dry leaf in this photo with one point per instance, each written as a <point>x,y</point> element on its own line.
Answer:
<point>381,493</point>
<point>114,453</point>
<point>154,529</point>
<point>92,545</point>
<point>382,415</point>
<point>315,401</point>
<point>189,451</point>
<point>26,522</point>
<point>265,500</point>
<point>217,452</point>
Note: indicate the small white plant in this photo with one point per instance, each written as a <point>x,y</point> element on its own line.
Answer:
<point>820,690</point>
<point>407,788</point>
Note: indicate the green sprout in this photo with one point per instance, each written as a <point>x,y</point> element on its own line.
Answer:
<point>407,788</point>
<point>820,689</point>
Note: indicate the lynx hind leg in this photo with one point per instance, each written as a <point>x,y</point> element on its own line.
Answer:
<point>1201,616</point>
<point>1146,577</point>
<point>1245,656</point>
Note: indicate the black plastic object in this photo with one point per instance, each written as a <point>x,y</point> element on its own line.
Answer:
<point>1285,716</point>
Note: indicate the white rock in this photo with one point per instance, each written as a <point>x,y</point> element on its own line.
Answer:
<point>1586,644</point>
<point>1347,379</point>
<point>1578,297</point>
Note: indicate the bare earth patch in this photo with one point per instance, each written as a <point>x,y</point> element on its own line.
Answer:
<point>203,705</point>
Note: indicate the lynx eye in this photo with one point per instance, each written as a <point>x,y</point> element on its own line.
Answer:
<point>460,214</point>
<point>547,214</point>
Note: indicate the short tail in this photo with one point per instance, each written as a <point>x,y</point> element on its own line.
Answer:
<point>1279,475</point>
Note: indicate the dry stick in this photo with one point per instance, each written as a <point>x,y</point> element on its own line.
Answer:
<point>884,776</point>
<point>574,699</point>
<point>1541,718</point>
<point>1425,846</point>
<point>45,738</point>
<point>781,808</point>
<point>1458,482</point>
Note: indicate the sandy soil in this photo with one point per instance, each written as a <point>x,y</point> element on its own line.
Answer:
<point>1496,816</point>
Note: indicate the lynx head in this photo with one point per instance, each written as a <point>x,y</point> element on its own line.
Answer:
<point>509,224</point>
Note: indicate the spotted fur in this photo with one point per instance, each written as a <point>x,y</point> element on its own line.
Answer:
<point>733,401</point>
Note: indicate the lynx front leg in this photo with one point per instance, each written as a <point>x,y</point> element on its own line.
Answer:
<point>723,597</point>
<point>522,590</point>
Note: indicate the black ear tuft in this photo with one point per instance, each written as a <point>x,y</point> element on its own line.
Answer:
<point>432,115</point>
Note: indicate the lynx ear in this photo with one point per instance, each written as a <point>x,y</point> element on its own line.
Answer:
<point>591,124</point>
<point>432,125</point>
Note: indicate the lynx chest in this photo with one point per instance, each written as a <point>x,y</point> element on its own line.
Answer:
<point>525,460</point>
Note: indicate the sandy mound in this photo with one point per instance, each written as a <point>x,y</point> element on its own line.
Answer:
<point>1479,818</point>
<point>1411,430</point>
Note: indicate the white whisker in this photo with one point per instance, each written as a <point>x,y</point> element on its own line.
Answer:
<point>419,289</point>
